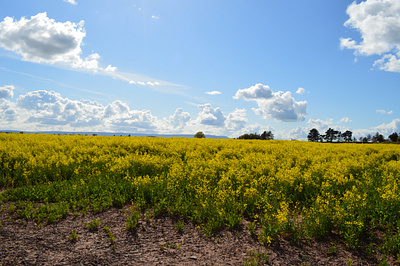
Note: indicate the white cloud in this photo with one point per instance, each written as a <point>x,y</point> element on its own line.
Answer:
<point>389,62</point>
<point>144,83</point>
<point>345,120</point>
<point>384,112</point>
<point>300,91</point>
<point>213,92</point>
<point>111,68</point>
<point>178,120</point>
<point>9,114</point>
<point>40,39</point>
<point>152,83</point>
<point>43,40</point>
<point>210,116</point>
<point>135,120</point>
<point>6,91</point>
<point>51,109</point>
<point>390,128</point>
<point>319,124</point>
<point>378,22</point>
<point>278,105</point>
<point>236,120</point>
<point>73,2</point>
<point>256,92</point>
<point>252,128</point>
<point>155,17</point>
<point>137,82</point>
<point>298,133</point>
<point>47,109</point>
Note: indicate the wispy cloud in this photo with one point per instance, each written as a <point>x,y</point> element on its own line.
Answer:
<point>213,92</point>
<point>42,40</point>
<point>345,120</point>
<point>73,2</point>
<point>384,112</point>
<point>47,80</point>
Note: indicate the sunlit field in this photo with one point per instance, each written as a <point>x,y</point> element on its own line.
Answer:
<point>294,189</point>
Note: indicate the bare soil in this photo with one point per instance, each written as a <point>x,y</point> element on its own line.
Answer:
<point>158,242</point>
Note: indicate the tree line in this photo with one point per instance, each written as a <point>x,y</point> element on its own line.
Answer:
<point>266,135</point>
<point>332,135</point>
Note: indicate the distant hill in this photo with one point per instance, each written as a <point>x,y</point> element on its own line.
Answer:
<point>114,134</point>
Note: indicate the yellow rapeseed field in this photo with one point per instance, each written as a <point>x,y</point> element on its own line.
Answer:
<point>281,187</point>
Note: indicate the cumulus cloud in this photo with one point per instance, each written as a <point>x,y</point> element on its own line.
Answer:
<point>73,2</point>
<point>320,124</point>
<point>213,92</point>
<point>278,105</point>
<point>236,120</point>
<point>43,40</point>
<point>6,91</point>
<point>390,128</point>
<point>179,119</point>
<point>300,91</point>
<point>50,109</point>
<point>9,113</point>
<point>210,116</point>
<point>135,120</point>
<point>251,128</point>
<point>345,120</point>
<point>378,22</point>
<point>298,133</point>
<point>256,92</point>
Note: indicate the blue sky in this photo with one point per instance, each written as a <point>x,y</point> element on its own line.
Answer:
<point>221,67</point>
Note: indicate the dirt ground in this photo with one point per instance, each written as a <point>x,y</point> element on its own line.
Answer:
<point>157,242</point>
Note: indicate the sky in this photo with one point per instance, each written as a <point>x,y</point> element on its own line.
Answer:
<point>180,66</point>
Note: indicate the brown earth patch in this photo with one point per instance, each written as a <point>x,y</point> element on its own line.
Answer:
<point>157,242</point>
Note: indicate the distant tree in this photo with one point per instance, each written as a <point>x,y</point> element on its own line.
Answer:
<point>244,136</point>
<point>339,137</point>
<point>250,136</point>
<point>394,137</point>
<point>378,137</point>
<point>264,135</point>
<point>199,135</point>
<point>314,135</point>
<point>267,135</point>
<point>331,134</point>
<point>369,137</point>
<point>347,136</point>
